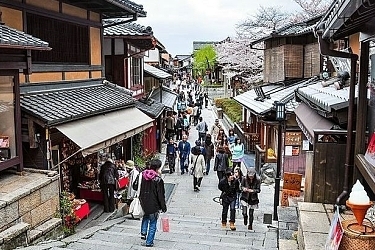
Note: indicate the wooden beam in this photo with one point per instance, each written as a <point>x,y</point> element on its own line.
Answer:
<point>31,129</point>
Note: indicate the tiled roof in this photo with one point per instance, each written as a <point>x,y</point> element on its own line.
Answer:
<point>346,17</point>
<point>183,57</point>
<point>138,8</point>
<point>327,98</point>
<point>125,29</point>
<point>155,72</point>
<point>150,107</point>
<point>278,93</point>
<point>60,103</point>
<point>295,29</point>
<point>111,8</point>
<point>12,38</point>
<point>291,29</point>
<point>200,44</point>
<point>169,97</point>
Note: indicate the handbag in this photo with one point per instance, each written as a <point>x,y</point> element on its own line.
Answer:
<point>164,222</point>
<point>135,208</point>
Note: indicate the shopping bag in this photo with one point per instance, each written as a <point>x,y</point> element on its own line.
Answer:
<point>136,209</point>
<point>164,223</point>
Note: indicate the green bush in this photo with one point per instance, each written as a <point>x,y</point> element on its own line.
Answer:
<point>230,107</point>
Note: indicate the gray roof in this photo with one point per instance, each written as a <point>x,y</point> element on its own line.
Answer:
<point>111,8</point>
<point>169,97</point>
<point>155,72</point>
<point>200,44</point>
<point>292,29</point>
<point>346,17</point>
<point>183,57</point>
<point>275,92</point>
<point>125,29</point>
<point>150,107</point>
<point>327,98</point>
<point>12,38</point>
<point>59,103</point>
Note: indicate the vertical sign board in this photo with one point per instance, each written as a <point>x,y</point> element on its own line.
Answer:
<point>291,187</point>
<point>370,152</point>
<point>335,233</point>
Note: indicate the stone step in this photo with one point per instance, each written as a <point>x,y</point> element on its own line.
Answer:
<point>49,229</point>
<point>14,236</point>
<point>104,240</point>
<point>209,232</point>
<point>185,233</point>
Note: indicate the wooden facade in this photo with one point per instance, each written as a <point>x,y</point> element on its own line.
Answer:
<point>287,58</point>
<point>75,35</point>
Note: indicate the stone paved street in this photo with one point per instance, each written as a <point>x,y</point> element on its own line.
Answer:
<point>194,220</point>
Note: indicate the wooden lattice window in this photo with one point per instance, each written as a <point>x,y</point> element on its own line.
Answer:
<point>69,42</point>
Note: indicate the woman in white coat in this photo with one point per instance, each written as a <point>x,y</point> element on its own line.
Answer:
<point>197,167</point>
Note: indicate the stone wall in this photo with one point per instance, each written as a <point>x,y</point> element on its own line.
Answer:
<point>30,198</point>
<point>33,203</point>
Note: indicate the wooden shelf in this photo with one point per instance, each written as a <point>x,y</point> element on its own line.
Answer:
<point>367,170</point>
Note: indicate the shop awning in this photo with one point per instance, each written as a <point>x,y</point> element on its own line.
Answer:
<point>308,120</point>
<point>155,72</point>
<point>101,131</point>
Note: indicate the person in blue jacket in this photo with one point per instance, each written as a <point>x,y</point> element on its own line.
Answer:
<point>184,152</point>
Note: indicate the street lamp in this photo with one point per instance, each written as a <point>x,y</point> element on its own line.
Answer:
<point>280,116</point>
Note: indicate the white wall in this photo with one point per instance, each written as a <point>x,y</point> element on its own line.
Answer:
<point>153,56</point>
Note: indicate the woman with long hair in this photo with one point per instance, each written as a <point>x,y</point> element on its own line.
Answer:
<point>219,136</point>
<point>250,186</point>
<point>238,152</point>
<point>231,136</point>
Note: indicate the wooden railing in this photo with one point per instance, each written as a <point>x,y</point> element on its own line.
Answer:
<point>250,140</point>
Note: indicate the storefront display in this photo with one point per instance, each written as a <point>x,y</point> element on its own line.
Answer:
<point>7,118</point>
<point>80,175</point>
<point>81,208</point>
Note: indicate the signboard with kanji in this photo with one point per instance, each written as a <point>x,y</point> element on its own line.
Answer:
<point>292,181</point>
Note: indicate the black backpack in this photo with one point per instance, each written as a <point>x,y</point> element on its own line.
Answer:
<point>179,123</point>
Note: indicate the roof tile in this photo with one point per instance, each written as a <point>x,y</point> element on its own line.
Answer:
<point>125,29</point>
<point>60,104</point>
<point>10,37</point>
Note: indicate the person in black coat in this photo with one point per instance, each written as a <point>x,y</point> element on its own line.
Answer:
<point>229,187</point>
<point>250,186</point>
<point>171,155</point>
<point>152,199</point>
<point>108,177</point>
<point>221,164</point>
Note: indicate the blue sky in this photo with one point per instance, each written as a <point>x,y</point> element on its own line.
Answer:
<point>177,23</point>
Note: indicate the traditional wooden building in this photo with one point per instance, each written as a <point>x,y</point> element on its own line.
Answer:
<point>291,52</point>
<point>125,45</point>
<point>15,57</point>
<point>52,86</point>
<point>350,23</point>
<point>291,60</point>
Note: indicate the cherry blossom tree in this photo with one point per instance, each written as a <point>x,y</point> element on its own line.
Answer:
<point>237,57</point>
<point>263,22</point>
<point>310,8</point>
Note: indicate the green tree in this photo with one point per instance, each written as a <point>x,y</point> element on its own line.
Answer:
<point>204,59</point>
